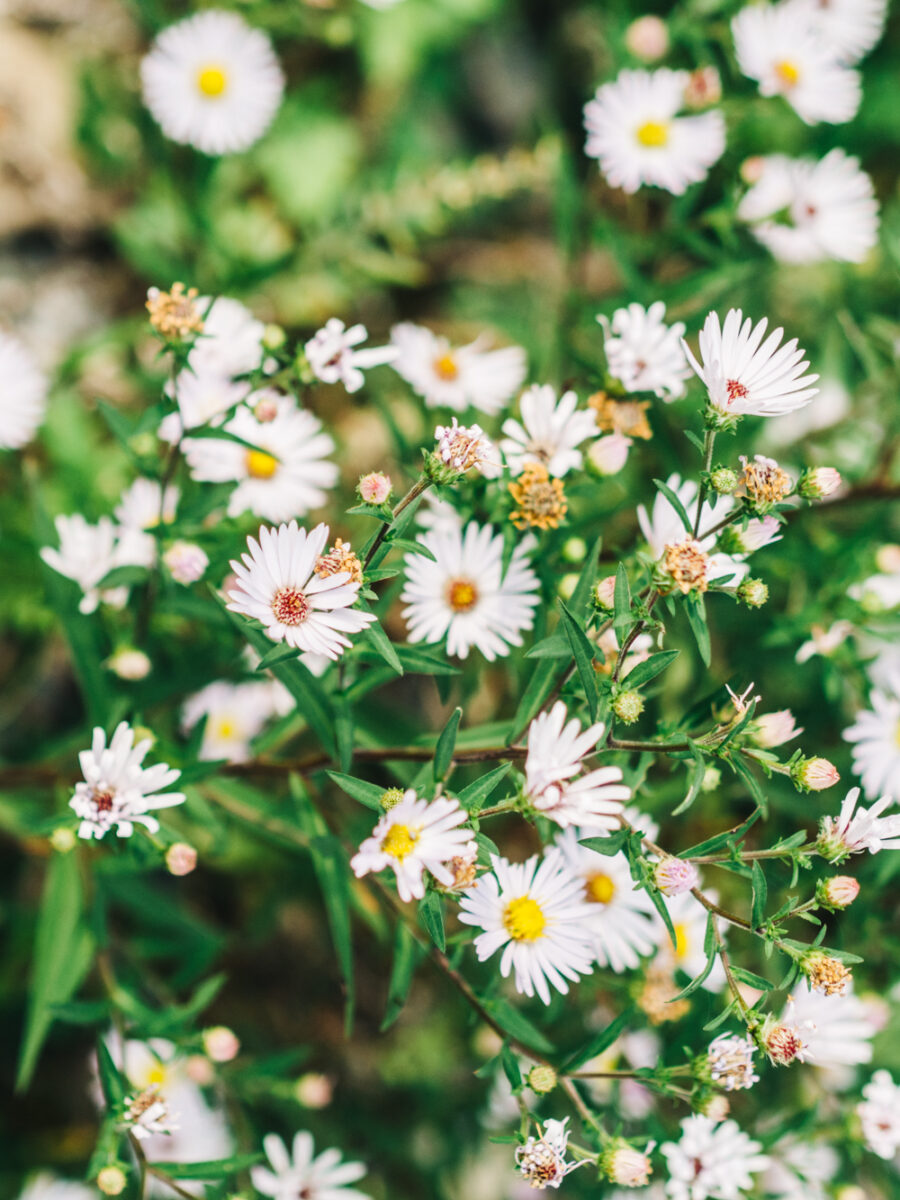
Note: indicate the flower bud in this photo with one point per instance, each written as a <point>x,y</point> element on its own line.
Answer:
<point>647,38</point>
<point>712,777</point>
<point>567,585</point>
<point>819,482</point>
<point>782,1043</point>
<point>221,1043</point>
<point>391,798</point>
<point>774,729</point>
<point>752,168</point>
<point>814,774</point>
<point>200,1070</point>
<point>112,1181</point>
<point>541,1079</point>
<point>838,892</point>
<point>181,858</point>
<point>704,87</point>
<point>625,1165</point>
<point>887,559</point>
<point>266,409</point>
<point>574,549</point>
<point>607,455</point>
<point>673,876</point>
<point>825,974</point>
<point>716,1107</point>
<point>273,337</point>
<point>129,663</point>
<point>628,706</point>
<point>313,1090</point>
<point>605,593</point>
<point>753,592</point>
<point>186,562</point>
<point>63,840</point>
<point>724,481</point>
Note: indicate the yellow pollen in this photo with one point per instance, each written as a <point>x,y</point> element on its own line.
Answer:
<point>156,1076</point>
<point>897,734</point>
<point>445,367</point>
<point>399,841</point>
<point>600,888</point>
<point>462,595</point>
<point>524,919</point>
<point>261,465</point>
<point>653,133</point>
<point>225,728</point>
<point>788,73</point>
<point>681,941</point>
<point>212,81</point>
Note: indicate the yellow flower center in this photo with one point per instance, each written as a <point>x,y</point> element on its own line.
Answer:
<point>681,941</point>
<point>154,1076</point>
<point>524,919</point>
<point>445,367</point>
<point>600,888</point>
<point>462,595</point>
<point>212,81</point>
<point>653,133</point>
<point>261,465</point>
<point>225,728</point>
<point>897,734</point>
<point>399,841</point>
<point>788,72</point>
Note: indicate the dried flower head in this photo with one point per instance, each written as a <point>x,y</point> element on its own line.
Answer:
<point>540,499</point>
<point>784,1041</point>
<point>174,315</point>
<point>730,1062</point>
<point>627,417</point>
<point>657,997</point>
<point>764,482</point>
<point>826,974</point>
<point>340,558</point>
<point>625,1165</point>
<point>542,1161</point>
<point>687,565</point>
<point>703,88</point>
<point>146,1113</point>
<point>461,447</point>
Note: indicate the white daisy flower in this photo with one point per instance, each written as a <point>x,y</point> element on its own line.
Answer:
<point>542,1161</point>
<point>536,912</point>
<point>202,398</point>
<point>778,46</point>
<point>876,738</point>
<point>644,353</point>
<point>23,389</point>
<point>464,594</point>
<point>836,1030</point>
<point>714,1160</point>
<point>620,918</point>
<point>457,378</point>
<point>231,342</point>
<point>284,476</point>
<point>86,554</point>
<point>549,432</point>
<point>333,358</point>
<point>855,831</point>
<point>302,1173</point>
<point>235,713</point>
<point>556,747</point>
<point>879,1115</point>
<point>746,375</point>
<point>46,1186</point>
<point>850,28</point>
<point>118,792</point>
<point>800,1170</point>
<point>143,505</point>
<point>634,130</point>
<point>277,584</point>
<point>663,527</point>
<point>806,211</point>
<point>689,920</point>
<point>832,405</point>
<point>462,447</point>
<point>824,640</point>
<point>416,836</point>
<point>212,82</point>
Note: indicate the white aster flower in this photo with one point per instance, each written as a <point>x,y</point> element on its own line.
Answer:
<point>730,1062</point>
<point>333,357</point>
<point>287,472</point>
<point>877,593</point>
<point>689,920</point>
<point>464,593</point>
<point>536,912</point>
<point>203,397</point>
<point>542,1161</point>
<point>86,554</point>
<point>800,1170</point>
<point>549,433</point>
<point>806,211</point>
<point>302,1173</point>
<point>461,447</point>
<point>836,1031</point>
<point>46,1186</point>
<point>235,713</point>
<point>457,378</point>
<point>744,375</point>
<point>876,738</point>
<point>824,641</point>
<point>556,747</point>
<point>779,47</point>
<point>277,584</point>
<point>212,82</point>
<point>23,394</point>
<point>143,505</point>
<point>231,342</point>
<point>147,1114</point>
<point>413,837</point>
<point>855,831</point>
<point>714,1160</point>
<point>620,918</point>
<point>663,527</point>
<point>634,130</point>
<point>118,792</point>
<point>644,353</point>
<point>850,28</point>
<point>879,1115</point>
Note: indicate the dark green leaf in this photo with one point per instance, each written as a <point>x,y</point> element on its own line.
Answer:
<point>443,751</point>
<point>220,1168</point>
<point>431,914</point>
<point>621,600</point>
<point>513,1022</point>
<point>382,644</point>
<point>510,1065</point>
<point>649,668</point>
<point>696,611</point>
<point>600,1041</point>
<point>676,504</point>
<point>368,794</point>
<point>407,955</point>
<point>583,653</point>
<point>474,795</point>
<point>710,946</point>
<point>760,895</point>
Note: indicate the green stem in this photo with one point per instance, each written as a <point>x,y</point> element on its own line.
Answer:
<point>422,484</point>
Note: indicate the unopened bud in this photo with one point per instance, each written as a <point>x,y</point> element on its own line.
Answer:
<point>541,1079</point>
<point>63,840</point>
<point>574,549</point>
<point>186,562</point>
<point>647,38</point>
<point>112,1181</point>
<point>200,1070</point>
<point>774,729</point>
<point>567,585</point>
<point>819,482</point>
<point>724,481</point>
<point>753,592</point>
<point>825,974</point>
<point>273,337</point>
<point>313,1090</point>
<point>887,559</point>
<point>673,876</point>
<point>266,408</point>
<point>814,774</point>
<point>625,1165</point>
<point>712,777</point>
<point>391,798</point>
<point>628,706</point>
<point>605,593</point>
<point>181,858</point>
<point>704,87</point>
<point>607,455</point>
<point>782,1043</point>
<point>716,1107</point>
<point>129,663</point>
<point>752,168</point>
<point>838,892</point>
<point>221,1043</point>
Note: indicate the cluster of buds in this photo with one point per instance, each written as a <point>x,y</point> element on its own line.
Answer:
<point>459,449</point>
<point>764,483</point>
<point>175,315</point>
<point>813,774</point>
<point>339,560</point>
<point>540,499</point>
<point>625,1165</point>
<point>674,876</point>
<point>686,565</point>
<point>729,1062</point>
<point>819,482</point>
<point>825,973</point>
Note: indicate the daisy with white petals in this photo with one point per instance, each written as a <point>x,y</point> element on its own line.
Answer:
<point>118,792</point>
<point>879,1115</point>
<point>549,433</point>
<point>782,49</point>
<point>662,526</point>
<point>850,28</point>
<point>745,375</point>
<point>456,377</point>
<point>855,831</point>
<point>800,1169</point>
<point>644,353</point>
<point>413,837</point>
<point>277,584</point>
<point>464,594</point>
<point>542,1161</point>
<point>86,554</point>
<point>634,130</point>
<point>302,1173</point>
<point>23,394</point>
<point>334,358</point>
<point>714,1160</point>
<point>234,714</point>
<point>836,1031</point>
<point>536,912</point>
<point>876,739</point>
<point>212,82</point>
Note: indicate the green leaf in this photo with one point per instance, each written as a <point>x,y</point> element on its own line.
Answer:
<point>431,914</point>
<point>383,647</point>
<point>760,895</point>
<point>662,908</point>
<point>128,576</point>
<point>219,1168</point>
<point>113,1083</point>
<point>555,646</point>
<point>583,653</point>
<point>696,611</point>
<point>474,795</point>
<point>649,668</point>
<point>599,1042</point>
<point>729,838</point>
<point>411,547</point>
<point>368,794</point>
<point>517,1025</point>
<point>752,980</point>
<point>443,751</point>
<point>609,845</point>
<point>710,946</point>
<point>510,1065</point>
<point>695,781</point>
<point>407,955</point>
<point>277,654</point>
<point>676,504</point>
<point>621,600</point>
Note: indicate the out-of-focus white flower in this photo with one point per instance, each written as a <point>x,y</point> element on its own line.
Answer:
<point>542,1161</point>
<point>235,713</point>
<point>831,406</point>
<point>607,455</point>
<point>730,1062</point>
<point>779,47</point>
<point>437,516</point>
<point>799,1170</point>
<point>855,831</point>
<point>634,130</point>
<point>457,378</point>
<point>86,554</point>
<point>535,911</point>
<point>232,340</point>
<point>118,792</point>
<point>824,641</point>
<point>836,1031</point>
<point>712,1161</point>
<point>333,356</point>
<point>746,375</point>
<point>644,353</point>
<point>127,662</point>
<point>277,584</point>
<point>549,433</point>
<point>689,920</point>
<point>850,28</point>
<point>774,729</point>
<point>876,749</point>
<point>464,595</point>
<point>302,1173</point>
<point>203,398</point>
<point>212,82</point>
<point>46,1186</point>
<point>186,561</point>
<point>413,837</point>
<point>144,505</point>
<point>23,394</point>
<point>805,211</point>
<point>879,1115</point>
<point>878,593</point>
<point>662,526</point>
